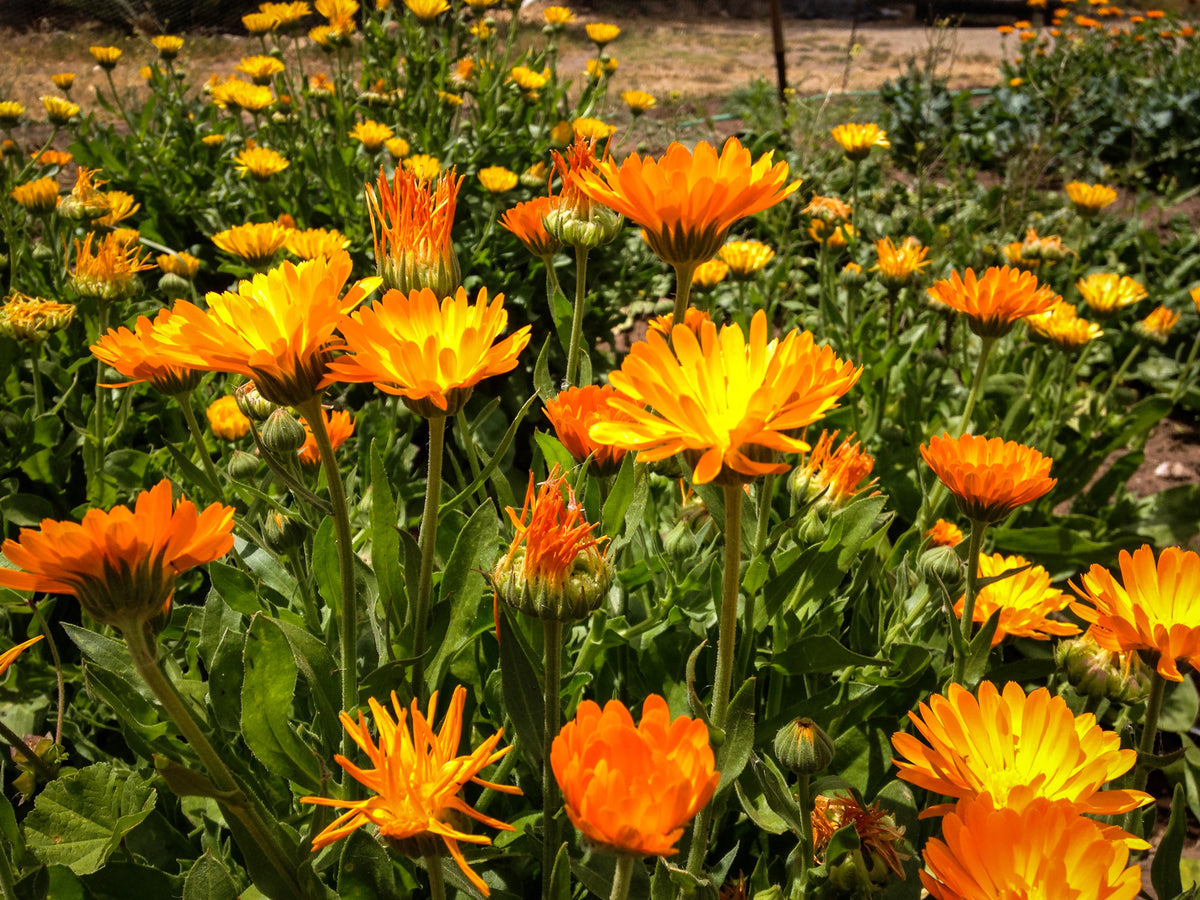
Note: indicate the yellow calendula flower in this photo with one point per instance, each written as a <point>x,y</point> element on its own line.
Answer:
<point>10,113</point>
<point>592,129</point>
<point>64,81</point>
<point>372,135</point>
<point>422,166</point>
<point>261,69</point>
<point>527,79</point>
<point>601,33</point>
<point>212,140</point>
<point>451,100</point>
<point>857,141</point>
<point>237,94</point>
<point>259,23</point>
<point>59,111</point>
<point>497,179</point>
<point>314,242</point>
<point>710,273</point>
<point>227,422</point>
<point>598,68</point>
<point>638,101</point>
<point>427,11</point>
<point>33,319</point>
<point>558,16</point>
<point>121,206</point>
<point>37,197</point>
<point>746,257</point>
<point>286,14</point>
<point>397,147</point>
<point>1025,600</point>
<point>832,476</point>
<point>168,45</point>
<point>255,242</point>
<point>1158,325</point>
<point>1089,199</point>
<point>106,269</point>
<point>182,264</point>
<point>259,162</point>
<point>1062,327</point>
<point>106,57</point>
<point>1107,292</point>
<point>896,265</point>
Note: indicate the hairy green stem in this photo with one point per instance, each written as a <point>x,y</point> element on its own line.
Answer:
<point>189,415</point>
<point>805,801</point>
<point>437,881</point>
<point>39,399</point>
<point>573,349</point>
<point>428,545</point>
<point>552,630</point>
<point>58,672</point>
<point>1141,772</point>
<point>683,292</point>
<point>622,877</point>
<point>974,545</point>
<point>985,351</point>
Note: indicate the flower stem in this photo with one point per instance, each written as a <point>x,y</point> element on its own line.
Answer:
<point>428,544</point>
<point>310,411</point>
<point>581,257</point>
<point>58,672</point>
<point>1120,375</point>
<point>683,292</point>
<point>1141,773</point>
<point>805,802</point>
<point>974,545</point>
<point>189,415</point>
<point>437,882</point>
<point>621,877</point>
<point>39,400</point>
<point>985,351</point>
<point>552,629</point>
<point>766,489</point>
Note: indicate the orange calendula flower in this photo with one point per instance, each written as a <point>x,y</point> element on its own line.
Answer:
<point>226,419</point>
<point>106,269</point>
<point>1063,328</point>
<point>427,351</point>
<point>746,257</point>
<point>896,265</point>
<point>1044,850</point>
<point>1089,199</point>
<point>708,274</point>
<point>411,220</point>
<point>1158,325</point>
<point>37,197</point>
<point>1107,292</point>
<point>56,158</point>
<point>686,201</point>
<point>1015,748</point>
<point>693,319</point>
<point>255,242</point>
<point>416,781</point>
<point>573,217</point>
<point>260,162</point>
<point>833,475</point>
<point>995,302</point>
<point>877,831</point>
<point>988,478</point>
<point>136,355</point>
<point>276,329</point>
<point>573,412</point>
<point>725,402</point>
<point>632,788</point>
<point>33,318</point>
<point>340,426</point>
<point>829,210</point>
<point>122,564</point>
<point>1153,607</point>
<point>944,534</point>
<point>527,222</point>
<point>1025,600</point>
<point>857,141</point>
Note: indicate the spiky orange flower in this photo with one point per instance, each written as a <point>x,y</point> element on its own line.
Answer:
<point>340,426</point>
<point>897,265</point>
<point>632,788</point>
<point>1089,199</point>
<point>836,476</point>
<point>107,269</point>
<point>411,220</point>
<point>1044,850</point>
<point>122,564</point>
<point>725,402</point>
<point>136,355</point>
<point>33,318</point>
<point>1107,292</point>
<point>1016,748</point>
<point>988,478</point>
<point>877,831</point>
<point>416,781</point>
<point>527,222</point>
<point>686,201</point>
<point>995,302</point>
<point>857,141</point>
<point>1154,607</point>
<point>573,412</point>
<point>429,353</point>
<point>1024,600</point>
<point>275,330</point>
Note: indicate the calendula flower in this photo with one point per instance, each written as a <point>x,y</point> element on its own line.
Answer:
<point>411,220</point>
<point>1106,292</point>
<point>497,179</point>
<point>337,10</point>
<point>944,534</point>
<point>261,69</point>
<point>236,94</point>
<point>995,302</point>
<point>561,135</point>
<point>601,33</point>
<point>1025,600</point>
<point>37,197</point>
<point>33,319</point>
<point>422,166</point>
<point>1152,608</point>
<point>106,269</point>
<point>857,141</point>
<point>259,162</point>
<point>167,45</point>
<point>64,81</point>
<point>372,135</point>
<point>638,101</point>
<point>835,237</point>
<point>259,23</point>
<point>592,129</point>
<point>632,788</point>
<point>527,79</point>
<point>710,273</point>
<point>555,567</point>
<point>596,69</point>
<point>136,355</point>
<point>106,57</point>
<point>878,833</point>
<point>121,206</point>
<point>226,419</point>
<point>59,111</point>
<point>693,319</point>
<point>527,222</point>
<point>1015,748</point>
<point>314,242</point>
<point>897,265</point>
<point>1063,328</point>
<point>1043,248</point>
<point>834,475</point>
<point>8,657</point>
<point>427,10</point>
<point>430,352</point>
<point>212,140</point>
<point>10,113</point>
<point>573,217</point>
<point>1043,850</point>
<point>1089,199</point>
<point>339,424</point>
<point>120,565</point>
<point>53,158</point>
<point>746,257</point>
<point>573,412</point>
<point>988,478</point>
<point>1158,325</point>
<point>724,402</point>
<point>276,329</point>
<point>558,16</point>
<point>829,210</point>
<point>416,781</point>
<point>686,201</point>
<point>397,147</point>
<point>182,264</point>
<point>1194,293</point>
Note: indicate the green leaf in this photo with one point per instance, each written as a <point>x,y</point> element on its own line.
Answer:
<point>542,381</point>
<point>268,690</point>
<point>120,880</point>
<point>778,793</point>
<point>320,672</point>
<point>980,650</point>
<point>365,871</point>
<point>79,819</point>
<point>235,587</point>
<point>325,565</point>
<point>385,540</point>
<point>821,653</point>
<point>1164,871</point>
<point>208,879</point>
<point>521,688</point>
<point>844,840</point>
<point>1180,708</point>
<point>560,875</point>
<point>553,451</point>
<point>735,750</point>
<point>619,498</point>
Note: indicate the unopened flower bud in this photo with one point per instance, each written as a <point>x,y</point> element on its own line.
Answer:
<point>174,285</point>
<point>42,252</point>
<point>252,404</point>
<point>803,747</point>
<point>680,542</point>
<point>941,563</point>
<point>1100,673</point>
<point>283,533</point>
<point>596,229</point>
<point>852,275</point>
<point>282,433</point>
<point>242,465</point>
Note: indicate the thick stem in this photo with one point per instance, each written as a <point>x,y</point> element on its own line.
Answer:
<point>437,882</point>
<point>683,292</point>
<point>766,489</point>
<point>552,629</point>
<point>310,410</point>
<point>58,672</point>
<point>428,544</point>
<point>805,802</point>
<point>622,877</point>
<point>189,415</point>
<point>974,545</point>
<point>573,350</point>
<point>1141,772</point>
<point>985,351</point>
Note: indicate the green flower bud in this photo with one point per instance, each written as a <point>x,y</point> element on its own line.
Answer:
<point>803,747</point>
<point>942,562</point>
<point>596,229</point>
<point>1099,673</point>
<point>42,252</point>
<point>174,285</point>
<point>283,533</point>
<point>252,404</point>
<point>243,465</point>
<point>282,433</point>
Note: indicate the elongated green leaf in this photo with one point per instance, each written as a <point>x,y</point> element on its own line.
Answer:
<point>385,539</point>
<point>735,750</point>
<point>522,690</point>
<point>208,879</point>
<point>1164,871</point>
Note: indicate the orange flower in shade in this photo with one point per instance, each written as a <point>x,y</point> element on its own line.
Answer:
<point>857,141</point>
<point>686,201</point>
<point>944,534</point>
<point>415,782</point>
<point>122,564</point>
<point>136,356</point>
<point>555,567</point>
<point>410,222</point>
<point>724,402</point>
<point>1044,850</point>
<point>338,423</point>
<point>988,478</point>
<point>275,330</point>
<point>1025,600</point>
<point>995,302</point>
<point>829,210</point>
<point>835,476</point>
<point>255,242</point>
<point>878,833</point>
<point>632,788</point>
<point>1158,325</point>
<point>1089,199</point>
<point>8,657</point>
<point>573,412</point>
<point>1106,292</point>
<point>1017,749</point>
<point>527,222</point>
<point>693,319</point>
<point>1154,607</point>
<point>226,419</point>
<point>429,353</point>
